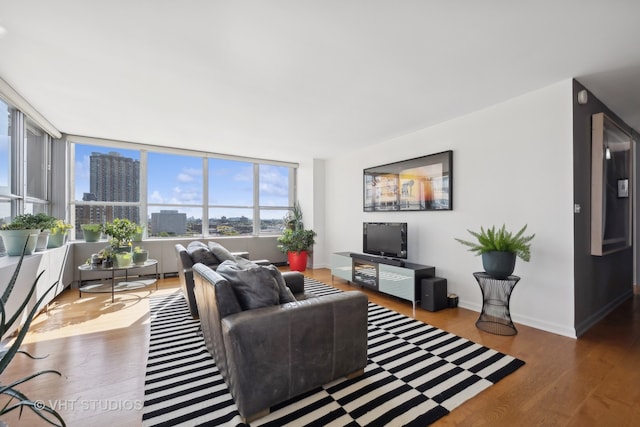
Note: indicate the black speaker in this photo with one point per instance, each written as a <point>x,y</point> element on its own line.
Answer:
<point>434,294</point>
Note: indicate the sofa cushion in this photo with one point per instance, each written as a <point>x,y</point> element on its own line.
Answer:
<point>284,293</point>
<point>200,253</point>
<point>255,287</point>
<point>221,252</point>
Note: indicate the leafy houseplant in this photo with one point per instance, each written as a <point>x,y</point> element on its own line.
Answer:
<point>91,232</point>
<point>14,235</point>
<point>40,221</point>
<point>293,221</point>
<point>17,400</point>
<point>137,236</point>
<point>140,255</point>
<point>297,244</point>
<point>121,230</point>
<point>499,249</point>
<point>105,257</point>
<point>295,241</point>
<point>59,232</point>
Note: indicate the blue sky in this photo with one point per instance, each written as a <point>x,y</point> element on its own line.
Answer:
<point>176,179</point>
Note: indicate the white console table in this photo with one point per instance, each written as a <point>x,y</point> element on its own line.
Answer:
<point>379,274</point>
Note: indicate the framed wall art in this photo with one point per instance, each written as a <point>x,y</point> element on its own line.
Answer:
<point>420,184</point>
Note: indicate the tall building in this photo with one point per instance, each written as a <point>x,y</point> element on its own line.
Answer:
<point>170,222</point>
<point>113,178</point>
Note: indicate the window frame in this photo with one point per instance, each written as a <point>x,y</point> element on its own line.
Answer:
<point>145,205</point>
<point>17,192</point>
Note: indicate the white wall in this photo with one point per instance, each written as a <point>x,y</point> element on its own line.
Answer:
<point>512,163</point>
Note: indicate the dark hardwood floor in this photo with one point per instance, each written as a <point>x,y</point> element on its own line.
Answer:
<point>101,349</point>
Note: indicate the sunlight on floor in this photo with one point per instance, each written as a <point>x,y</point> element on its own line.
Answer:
<point>92,313</point>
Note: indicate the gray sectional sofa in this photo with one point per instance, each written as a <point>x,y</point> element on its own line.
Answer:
<point>270,343</point>
<point>212,255</point>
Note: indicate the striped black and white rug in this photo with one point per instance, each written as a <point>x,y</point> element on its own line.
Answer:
<point>416,374</point>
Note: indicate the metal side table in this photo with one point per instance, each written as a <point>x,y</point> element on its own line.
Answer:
<point>496,293</point>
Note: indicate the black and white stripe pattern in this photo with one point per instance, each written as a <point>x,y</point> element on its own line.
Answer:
<point>416,374</point>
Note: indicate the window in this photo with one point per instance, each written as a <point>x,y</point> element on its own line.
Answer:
<point>24,165</point>
<point>173,198</point>
<point>174,191</point>
<point>5,149</point>
<point>5,211</point>
<point>107,185</point>
<point>37,154</point>
<point>275,196</point>
<point>230,197</point>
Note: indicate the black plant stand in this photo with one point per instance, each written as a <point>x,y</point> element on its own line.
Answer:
<point>495,316</point>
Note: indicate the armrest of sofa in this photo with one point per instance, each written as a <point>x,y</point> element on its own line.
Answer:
<point>185,272</point>
<point>243,254</point>
<point>294,347</point>
<point>294,281</point>
<point>185,261</point>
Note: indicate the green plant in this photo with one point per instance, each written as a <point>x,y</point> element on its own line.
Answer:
<point>296,240</point>
<point>21,222</point>
<point>60,226</point>
<point>500,240</point>
<point>121,231</point>
<point>106,252</point>
<point>15,226</point>
<point>138,249</point>
<point>293,220</point>
<point>17,400</point>
<point>40,220</point>
<point>94,228</point>
<point>137,236</point>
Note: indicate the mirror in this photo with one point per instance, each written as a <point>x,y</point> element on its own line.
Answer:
<point>611,182</point>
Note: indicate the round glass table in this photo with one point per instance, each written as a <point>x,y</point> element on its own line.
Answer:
<point>117,285</point>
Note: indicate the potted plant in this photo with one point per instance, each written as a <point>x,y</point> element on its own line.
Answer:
<point>106,256</point>
<point>293,220</point>
<point>295,241</point>
<point>121,230</point>
<point>297,244</point>
<point>41,221</point>
<point>137,236</point>
<point>59,233</point>
<point>499,249</point>
<point>123,259</point>
<point>17,400</point>
<point>18,233</point>
<point>140,255</point>
<point>91,232</point>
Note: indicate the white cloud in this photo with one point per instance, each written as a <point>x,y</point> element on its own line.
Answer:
<point>156,197</point>
<point>189,174</point>
<point>183,177</point>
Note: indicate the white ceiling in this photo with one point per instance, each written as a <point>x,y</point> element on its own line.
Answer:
<point>291,79</point>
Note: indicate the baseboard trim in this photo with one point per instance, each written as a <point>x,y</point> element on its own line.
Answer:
<point>588,323</point>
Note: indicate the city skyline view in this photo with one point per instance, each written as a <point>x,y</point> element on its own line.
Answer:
<point>175,182</point>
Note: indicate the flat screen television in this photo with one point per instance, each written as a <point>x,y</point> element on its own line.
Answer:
<point>387,239</point>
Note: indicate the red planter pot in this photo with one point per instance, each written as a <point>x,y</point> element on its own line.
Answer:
<point>298,260</point>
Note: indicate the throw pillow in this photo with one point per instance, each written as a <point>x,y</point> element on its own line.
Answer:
<point>254,287</point>
<point>221,252</point>
<point>199,252</point>
<point>284,293</point>
<point>244,263</point>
